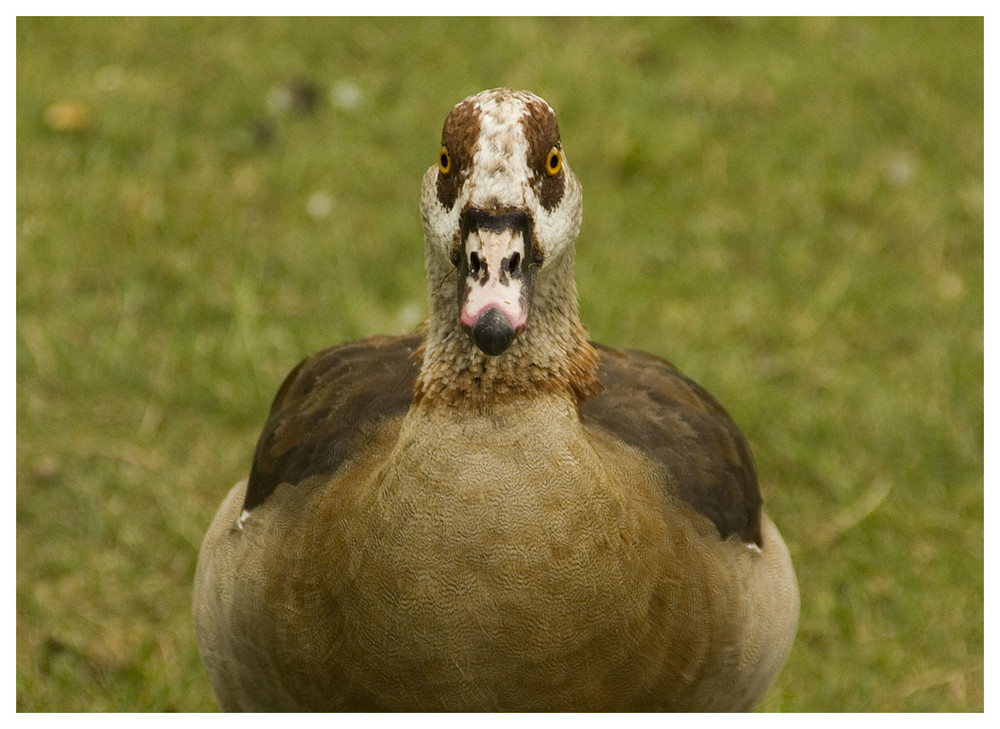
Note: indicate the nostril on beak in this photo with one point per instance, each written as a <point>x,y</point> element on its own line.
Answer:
<point>514,262</point>
<point>475,264</point>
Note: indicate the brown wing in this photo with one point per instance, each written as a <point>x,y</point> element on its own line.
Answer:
<point>328,406</point>
<point>651,406</point>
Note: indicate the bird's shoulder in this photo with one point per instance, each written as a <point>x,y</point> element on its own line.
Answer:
<point>650,405</point>
<point>327,406</point>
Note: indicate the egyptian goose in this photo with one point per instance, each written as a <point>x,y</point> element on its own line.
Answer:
<point>495,514</point>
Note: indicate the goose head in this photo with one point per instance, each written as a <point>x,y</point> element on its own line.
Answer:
<point>500,208</point>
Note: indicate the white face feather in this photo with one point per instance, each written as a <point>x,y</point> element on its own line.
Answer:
<point>500,174</point>
<point>493,159</point>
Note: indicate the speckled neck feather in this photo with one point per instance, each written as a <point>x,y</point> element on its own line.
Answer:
<point>553,355</point>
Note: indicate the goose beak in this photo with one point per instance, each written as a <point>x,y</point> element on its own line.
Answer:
<point>496,276</point>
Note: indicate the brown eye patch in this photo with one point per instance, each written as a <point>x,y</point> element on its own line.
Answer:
<point>541,130</point>
<point>459,137</point>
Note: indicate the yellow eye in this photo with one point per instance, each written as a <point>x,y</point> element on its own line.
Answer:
<point>444,161</point>
<point>553,163</point>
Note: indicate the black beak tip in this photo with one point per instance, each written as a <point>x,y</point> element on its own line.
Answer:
<point>493,332</point>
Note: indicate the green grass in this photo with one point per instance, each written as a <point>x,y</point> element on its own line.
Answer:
<point>790,210</point>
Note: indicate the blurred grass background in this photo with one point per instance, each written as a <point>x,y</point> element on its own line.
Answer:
<point>791,210</point>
